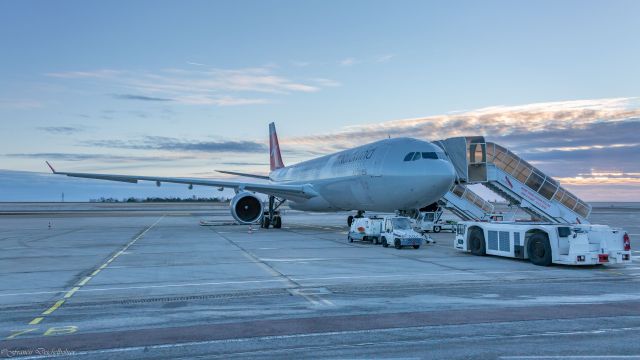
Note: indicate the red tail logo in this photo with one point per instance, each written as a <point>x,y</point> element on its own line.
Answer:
<point>274,149</point>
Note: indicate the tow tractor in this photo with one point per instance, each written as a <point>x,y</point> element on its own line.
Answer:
<point>545,243</point>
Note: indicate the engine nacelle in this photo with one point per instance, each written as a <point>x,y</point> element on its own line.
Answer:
<point>246,208</point>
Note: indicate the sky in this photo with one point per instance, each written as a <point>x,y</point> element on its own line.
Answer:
<point>182,88</point>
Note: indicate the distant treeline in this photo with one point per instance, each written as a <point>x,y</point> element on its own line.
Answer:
<point>159,199</point>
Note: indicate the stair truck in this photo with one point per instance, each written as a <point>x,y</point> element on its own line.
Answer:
<point>563,236</point>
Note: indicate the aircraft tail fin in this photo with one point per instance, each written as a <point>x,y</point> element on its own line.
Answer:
<point>274,149</point>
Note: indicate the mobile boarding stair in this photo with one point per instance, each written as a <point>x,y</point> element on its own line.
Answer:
<point>466,204</point>
<point>479,161</point>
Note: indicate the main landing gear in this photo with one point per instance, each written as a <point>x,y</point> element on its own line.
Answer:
<point>351,217</point>
<point>272,216</point>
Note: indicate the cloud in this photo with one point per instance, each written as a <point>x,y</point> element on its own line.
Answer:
<point>219,101</point>
<point>244,163</point>
<point>326,82</point>
<point>563,139</point>
<point>200,86</point>
<point>20,104</point>
<point>384,58</point>
<point>175,144</point>
<point>497,122</point>
<point>103,157</point>
<point>300,63</point>
<point>62,130</point>
<point>348,61</point>
<point>96,74</point>
<point>139,97</point>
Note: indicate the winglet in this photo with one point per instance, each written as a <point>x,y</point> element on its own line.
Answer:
<point>51,167</point>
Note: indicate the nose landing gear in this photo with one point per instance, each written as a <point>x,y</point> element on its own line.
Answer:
<point>351,217</point>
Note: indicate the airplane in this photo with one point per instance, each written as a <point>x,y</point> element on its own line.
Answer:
<point>387,175</point>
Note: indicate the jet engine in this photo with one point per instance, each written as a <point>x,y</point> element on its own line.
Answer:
<point>246,208</point>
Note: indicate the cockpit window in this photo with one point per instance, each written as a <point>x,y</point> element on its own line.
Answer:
<point>413,156</point>
<point>409,156</point>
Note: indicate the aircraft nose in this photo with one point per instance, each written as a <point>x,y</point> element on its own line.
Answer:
<point>437,178</point>
<point>445,175</point>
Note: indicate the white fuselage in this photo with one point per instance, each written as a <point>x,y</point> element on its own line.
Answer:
<point>373,177</point>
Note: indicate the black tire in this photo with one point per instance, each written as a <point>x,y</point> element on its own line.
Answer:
<point>539,250</point>
<point>277,222</point>
<point>416,246</point>
<point>384,242</point>
<point>437,229</point>
<point>374,240</point>
<point>350,238</point>
<point>477,244</point>
<point>397,244</point>
<point>350,220</point>
<point>266,222</point>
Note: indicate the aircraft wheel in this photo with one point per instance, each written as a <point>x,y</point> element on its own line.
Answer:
<point>539,250</point>
<point>350,220</point>
<point>277,222</point>
<point>476,242</point>
<point>416,246</point>
<point>384,242</point>
<point>266,222</point>
<point>436,229</point>
<point>397,244</point>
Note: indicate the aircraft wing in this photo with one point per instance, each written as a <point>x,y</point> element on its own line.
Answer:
<point>285,191</point>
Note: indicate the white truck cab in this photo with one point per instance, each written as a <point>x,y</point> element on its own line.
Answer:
<point>398,231</point>
<point>545,243</point>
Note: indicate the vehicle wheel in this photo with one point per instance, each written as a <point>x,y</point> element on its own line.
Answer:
<point>436,229</point>
<point>266,222</point>
<point>397,244</point>
<point>364,238</point>
<point>416,246</point>
<point>374,241</point>
<point>350,238</point>
<point>539,250</point>
<point>476,242</point>
<point>277,222</point>
<point>384,242</point>
<point>350,220</point>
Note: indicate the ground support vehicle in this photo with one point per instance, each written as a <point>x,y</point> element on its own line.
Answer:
<point>366,229</point>
<point>546,243</point>
<point>431,221</point>
<point>398,232</point>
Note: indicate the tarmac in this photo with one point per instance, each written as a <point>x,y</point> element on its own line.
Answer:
<point>132,281</point>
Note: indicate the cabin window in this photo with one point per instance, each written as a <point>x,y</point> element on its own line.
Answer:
<point>409,156</point>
